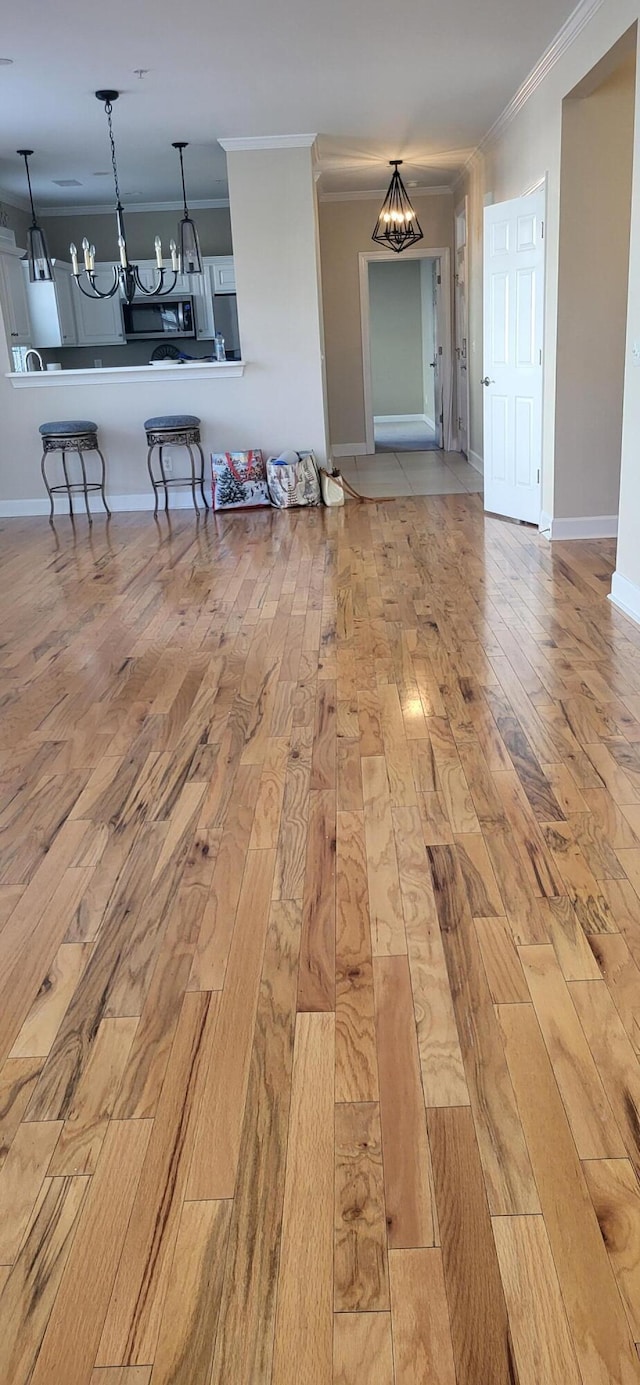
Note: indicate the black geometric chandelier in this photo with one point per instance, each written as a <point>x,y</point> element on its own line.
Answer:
<point>126,276</point>
<point>37,255</point>
<point>397,226</point>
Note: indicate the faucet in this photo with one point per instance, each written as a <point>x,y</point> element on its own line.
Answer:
<point>32,352</point>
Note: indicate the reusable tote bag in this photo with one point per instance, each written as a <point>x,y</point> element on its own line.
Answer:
<point>239,480</point>
<point>293,480</point>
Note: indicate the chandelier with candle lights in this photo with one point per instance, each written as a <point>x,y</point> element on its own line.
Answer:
<point>397,226</point>
<point>185,257</point>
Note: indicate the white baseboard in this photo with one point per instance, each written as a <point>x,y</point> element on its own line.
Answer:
<point>350,449</point>
<point>476,461</point>
<point>400,418</point>
<point>18,509</point>
<point>625,595</point>
<point>585,527</point>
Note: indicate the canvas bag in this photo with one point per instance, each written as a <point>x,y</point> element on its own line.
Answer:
<point>239,480</point>
<point>293,480</point>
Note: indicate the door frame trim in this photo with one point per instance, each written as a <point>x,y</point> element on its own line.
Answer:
<point>367,257</point>
<point>463,206</point>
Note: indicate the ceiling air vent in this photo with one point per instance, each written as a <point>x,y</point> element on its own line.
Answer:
<point>67,183</point>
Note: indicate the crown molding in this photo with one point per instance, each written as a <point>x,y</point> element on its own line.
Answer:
<point>231,146</point>
<point>442,191</point>
<point>11,199</point>
<point>107,208</point>
<point>565,37</point>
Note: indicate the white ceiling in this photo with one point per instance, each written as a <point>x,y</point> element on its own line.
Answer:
<point>421,80</point>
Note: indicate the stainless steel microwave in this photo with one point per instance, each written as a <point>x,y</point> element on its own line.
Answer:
<point>147,319</point>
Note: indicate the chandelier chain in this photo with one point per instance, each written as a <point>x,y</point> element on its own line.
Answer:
<point>108,108</point>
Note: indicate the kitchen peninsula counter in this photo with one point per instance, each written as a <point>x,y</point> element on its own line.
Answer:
<point>165,372</point>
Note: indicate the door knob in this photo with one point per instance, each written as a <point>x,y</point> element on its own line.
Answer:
<point>487,381</point>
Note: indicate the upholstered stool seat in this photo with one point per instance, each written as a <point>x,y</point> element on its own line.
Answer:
<point>65,427</point>
<point>181,430</point>
<point>163,421</point>
<point>72,435</point>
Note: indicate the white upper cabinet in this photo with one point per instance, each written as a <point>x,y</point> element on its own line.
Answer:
<point>185,286</point>
<point>223,274</point>
<point>99,320</point>
<point>217,279</point>
<point>51,310</point>
<point>149,275</point>
<point>13,291</point>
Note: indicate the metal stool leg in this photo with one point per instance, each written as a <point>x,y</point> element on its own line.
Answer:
<point>164,478</point>
<point>102,482</point>
<point>153,480</point>
<point>84,488</point>
<point>193,477</point>
<point>66,477</point>
<point>204,498</point>
<point>43,468</point>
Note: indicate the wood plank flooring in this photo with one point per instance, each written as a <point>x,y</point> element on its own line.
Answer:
<point>319,952</point>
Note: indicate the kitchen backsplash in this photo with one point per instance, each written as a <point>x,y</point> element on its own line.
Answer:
<point>133,353</point>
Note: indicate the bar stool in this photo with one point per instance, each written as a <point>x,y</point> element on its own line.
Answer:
<point>183,430</point>
<point>72,435</point>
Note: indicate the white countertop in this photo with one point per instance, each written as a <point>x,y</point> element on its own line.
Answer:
<point>126,374</point>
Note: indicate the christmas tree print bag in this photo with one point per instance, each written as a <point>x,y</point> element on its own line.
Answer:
<point>239,480</point>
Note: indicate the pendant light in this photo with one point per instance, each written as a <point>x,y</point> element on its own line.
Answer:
<point>37,255</point>
<point>188,243</point>
<point>397,226</point>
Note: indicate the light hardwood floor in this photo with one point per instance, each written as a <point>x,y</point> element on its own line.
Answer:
<point>319,953</point>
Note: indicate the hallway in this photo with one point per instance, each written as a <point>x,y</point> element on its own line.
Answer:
<point>319,950</point>
<point>404,437</point>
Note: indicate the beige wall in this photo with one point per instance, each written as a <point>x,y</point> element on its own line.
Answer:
<point>626,582</point>
<point>526,151</point>
<point>214,230</point>
<point>345,231</point>
<point>395,315</point>
<point>595,216</point>
<point>279,400</point>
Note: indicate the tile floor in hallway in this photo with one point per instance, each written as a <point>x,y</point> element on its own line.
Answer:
<point>411,473</point>
<point>319,952</point>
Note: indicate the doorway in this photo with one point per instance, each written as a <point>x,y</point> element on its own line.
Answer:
<point>406,350</point>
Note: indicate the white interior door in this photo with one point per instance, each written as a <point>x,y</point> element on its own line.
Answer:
<point>513,328</point>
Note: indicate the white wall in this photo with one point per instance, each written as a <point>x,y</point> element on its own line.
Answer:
<point>277,403</point>
<point>395,328</point>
